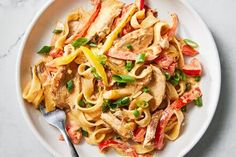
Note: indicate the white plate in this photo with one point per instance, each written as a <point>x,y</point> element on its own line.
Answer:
<point>191,26</point>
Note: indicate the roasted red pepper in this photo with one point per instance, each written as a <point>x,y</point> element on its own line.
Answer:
<point>169,111</point>
<point>83,32</point>
<point>140,4</point>
<point>194,68</point>
<point>56,53</point>
<point>139,134</point>
<point>126,148</point>
<point>167,63</point>
<point>189,51</point>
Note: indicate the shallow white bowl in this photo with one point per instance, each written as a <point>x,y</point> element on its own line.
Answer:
<point>191,26</point>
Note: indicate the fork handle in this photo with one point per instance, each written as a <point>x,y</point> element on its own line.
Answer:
<point>68,141</point>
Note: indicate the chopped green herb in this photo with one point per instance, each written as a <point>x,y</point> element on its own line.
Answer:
<point>122,101</point>
<point>198,102</point>
<point>79,42</point>
<point>146,90</point>
<point>184,109</point>
<point>95,74</point>
<point>129,65</point>
<point>140,58</point>
<point>123,78</point>
<point>191,43</point>
<point>69,85</point>
<point>136,113</point>
<point>57,31</point>
<point>45,50</point>
<point>188,86</point>
<point>84,132</point>
<point>129,46</point>
<point>82,103</point>
<point>197,78</point>
<point>167,75</point>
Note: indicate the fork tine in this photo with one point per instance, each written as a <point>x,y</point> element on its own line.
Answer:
<point>42,109</point>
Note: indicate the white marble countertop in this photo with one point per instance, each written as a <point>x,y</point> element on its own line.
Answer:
<point>17,140</point>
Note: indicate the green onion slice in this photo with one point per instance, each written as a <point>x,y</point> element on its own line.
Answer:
<point>146,90</point>
<point>57,31</point>
<point>44,50</point>
<point>197,78</point>
<point>129,46</point>
<point>79,42</point>
<point>136,113</point>
<point>123,78</point>
<point>140,58</point>
<point>122,101</point>
<point>69,85</point>
<point>191,43</point>
<point>129,65</point>
<point>198,102</point>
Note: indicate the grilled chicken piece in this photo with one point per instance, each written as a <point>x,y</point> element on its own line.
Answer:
<point>151,129</point>
<point>157,88</point>
<point>59,91</point>
<point>117,125</point>
<point>139,40</point>
<point>102,25</point>
<point>54,84</point>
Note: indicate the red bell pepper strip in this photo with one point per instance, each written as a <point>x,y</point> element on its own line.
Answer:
<point>139,134</point>
<point>140,4</point>
<point>126,148</point>
<point>189,51</point>
<point>194,68</point>
<point>169,111</point>
<point>167,63</point>
<point>83,32</point>
<point>56,53</point>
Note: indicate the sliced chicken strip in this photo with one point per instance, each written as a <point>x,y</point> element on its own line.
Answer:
<point>151,129</point>
<point>139,40</point>
<point>102,25</point>
<point>157,87</point>
<point>117,125</point>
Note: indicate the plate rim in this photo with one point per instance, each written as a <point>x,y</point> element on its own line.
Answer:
<point>36,132</point>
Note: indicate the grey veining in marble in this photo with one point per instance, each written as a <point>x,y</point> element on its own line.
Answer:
<point>17,140</point>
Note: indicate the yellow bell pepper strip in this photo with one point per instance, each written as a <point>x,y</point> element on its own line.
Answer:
<point>64,60</point>
<point>92,58</point>
<point>113,35</point>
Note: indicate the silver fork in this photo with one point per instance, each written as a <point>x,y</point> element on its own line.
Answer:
<point>57,119</point>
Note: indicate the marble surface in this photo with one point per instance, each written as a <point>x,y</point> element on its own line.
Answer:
<point>17,140</point>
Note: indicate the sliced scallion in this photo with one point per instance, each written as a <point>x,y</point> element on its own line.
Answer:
<point>198,102</point>
<point>191,43</point>
<point>44,50</point>
<point>79,42</point>
<point>136,113</point>
<point>140,58</point>
<point>69,85</point>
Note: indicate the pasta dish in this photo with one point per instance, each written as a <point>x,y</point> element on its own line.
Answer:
<point>121,74</point>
